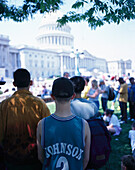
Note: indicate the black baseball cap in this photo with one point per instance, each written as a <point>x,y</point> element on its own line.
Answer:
<point>62,88</point>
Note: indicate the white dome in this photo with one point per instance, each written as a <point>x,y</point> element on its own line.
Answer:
<point>51,18</point>
<point>51,35</point>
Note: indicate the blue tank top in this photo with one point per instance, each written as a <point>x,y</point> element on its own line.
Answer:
<point>91,92</point>
<point>63,142</point>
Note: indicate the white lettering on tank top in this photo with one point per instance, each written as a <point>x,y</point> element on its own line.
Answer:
<point>65,148</point>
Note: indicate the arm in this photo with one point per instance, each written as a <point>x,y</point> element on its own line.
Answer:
<point>87,145</point>
<point>110,126</point>
<point>94,95</point>
<point>121,90</point>
<point>103,89</point>
<point>39,147</point>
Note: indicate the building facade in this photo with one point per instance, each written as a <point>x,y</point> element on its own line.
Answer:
<point>52,56</point>
<point>9,57</point>
<point>120,68</point>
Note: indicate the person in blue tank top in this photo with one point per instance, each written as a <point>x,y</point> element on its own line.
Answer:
<point>63,139</point>
<point>93,93</point>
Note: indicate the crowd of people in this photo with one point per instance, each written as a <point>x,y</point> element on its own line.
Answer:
<point>33,138</point>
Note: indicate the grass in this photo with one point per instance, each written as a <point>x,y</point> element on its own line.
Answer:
<point>120,144</point>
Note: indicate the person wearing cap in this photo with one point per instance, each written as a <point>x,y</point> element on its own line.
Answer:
<point>63,139</point>
<point>105,92</point>
<point>79,106</point>
<point>131,98</point>
<point>123,98</point>
<point>19,116</point>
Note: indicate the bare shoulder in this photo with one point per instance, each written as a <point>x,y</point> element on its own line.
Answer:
<point>39,126</point>
<point>40,123</point>
<point>87,128</point>
<point>85,122</point>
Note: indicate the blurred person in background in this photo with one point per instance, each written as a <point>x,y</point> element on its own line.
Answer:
<point>66,75</point>
<point>86,88</point>
<point>105,91</point>
<point>79,106</point>
<point>123,99</point>
<point>93,93</point>
<point>131,98</point>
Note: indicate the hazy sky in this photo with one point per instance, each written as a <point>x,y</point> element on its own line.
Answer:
<point>111,42</point>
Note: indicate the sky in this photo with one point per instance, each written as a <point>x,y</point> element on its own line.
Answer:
<point>111,41</point>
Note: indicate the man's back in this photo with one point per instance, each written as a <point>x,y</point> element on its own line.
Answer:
<point>19,116</point>
<point>83,108</point>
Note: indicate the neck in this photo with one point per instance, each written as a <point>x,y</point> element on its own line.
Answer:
<point>23,88</point>
<point>63,109</point>
<point>78,95</point>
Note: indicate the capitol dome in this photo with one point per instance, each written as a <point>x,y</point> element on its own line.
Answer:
<point>51,36</point>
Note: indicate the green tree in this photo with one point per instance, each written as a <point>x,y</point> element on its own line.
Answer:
<point>27,8</point>
<point>95,12</point>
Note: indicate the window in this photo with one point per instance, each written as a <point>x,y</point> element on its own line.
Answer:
<point>62,40</point>
<point>49,40</point>
<point>45,39</point>
<point>53,64</point>
<point>52,40</point>
<point>42,64</point>
<point>17,60</point>
<point>42,74</point>
<point>30,63</point>
<point>6,73</point>
<point>66,41</point>
<point>59,40</point>
<point>36,63</point>
<point>55,40</point>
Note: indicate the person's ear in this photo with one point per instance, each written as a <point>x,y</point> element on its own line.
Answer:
<point>31,82</point>
<point>52,97</point>
<point>73,96</point>
<point>14,84</point>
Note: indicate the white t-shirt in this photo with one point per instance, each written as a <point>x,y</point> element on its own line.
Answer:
<point>132,137</point>
<point>112,121</point>
<point>83,108</point>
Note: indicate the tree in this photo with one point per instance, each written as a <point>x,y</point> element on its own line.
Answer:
<point>99,12</point>
<point>95,12</point>
<point>27,8</point>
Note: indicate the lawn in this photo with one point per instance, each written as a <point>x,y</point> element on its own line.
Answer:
<point>120,144</point>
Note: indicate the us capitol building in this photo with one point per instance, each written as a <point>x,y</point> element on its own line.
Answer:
<point>51,57</point>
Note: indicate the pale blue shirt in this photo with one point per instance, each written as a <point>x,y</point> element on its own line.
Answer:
<point>83,108</point>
